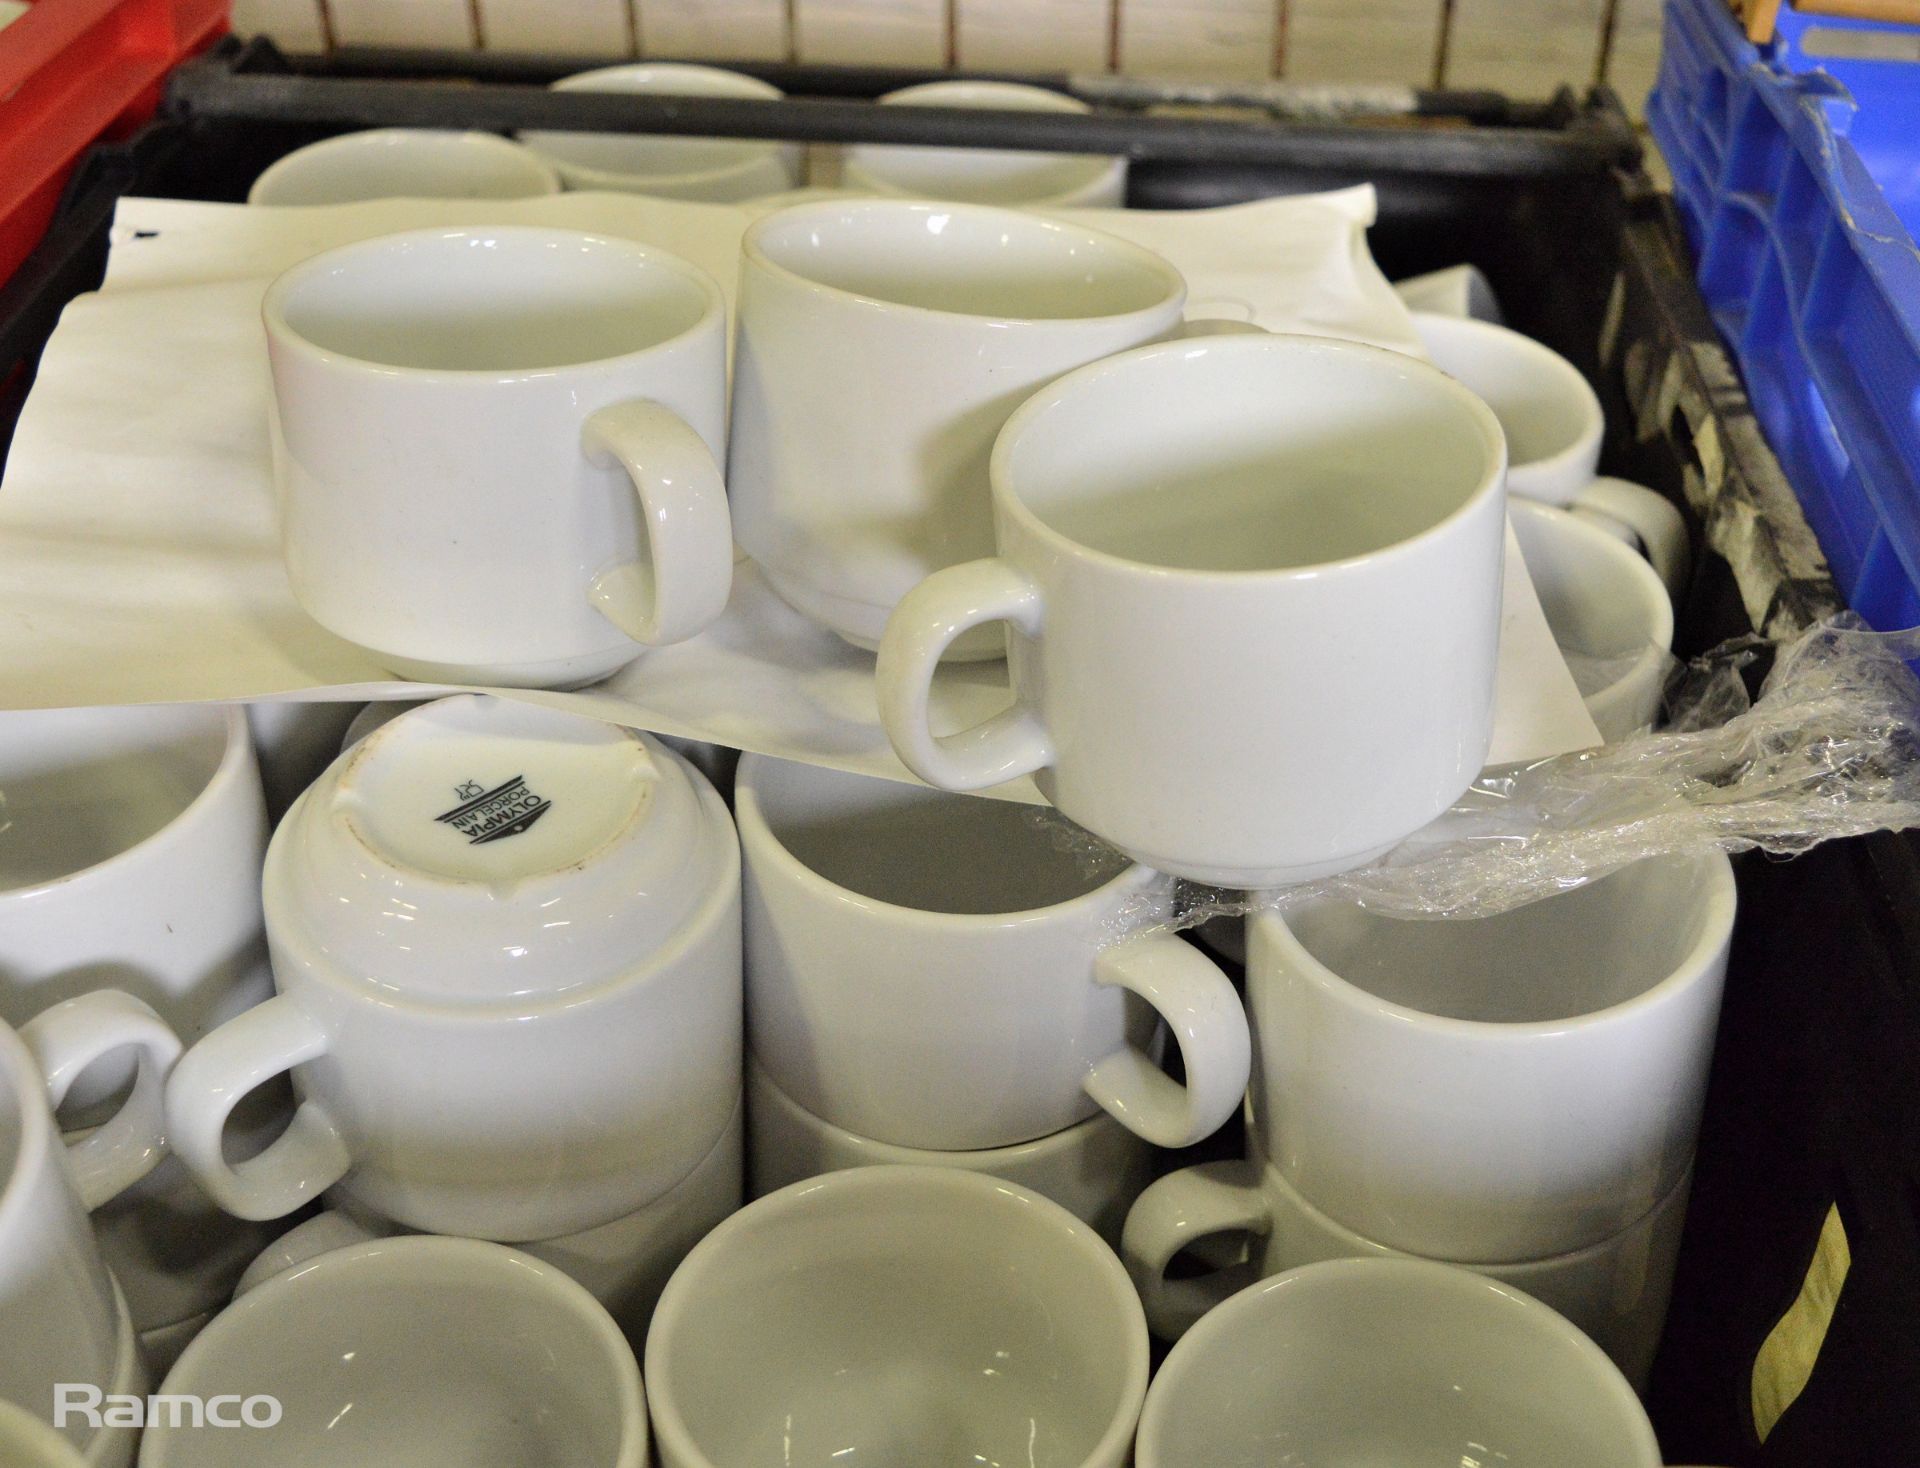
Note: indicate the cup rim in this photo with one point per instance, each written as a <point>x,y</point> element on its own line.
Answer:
<point>1491,485</point>
<point>477,1255</point>
<point>1720,899</point>
<point>759,839</point>
<point>1331,1274</point>
<point>283,333</point>
<point>347,142</point>
<point>755,151</point>
<point>671,1428</point>
<point>236,758</point>
<point>754,255</point>
<point>1571,461</point>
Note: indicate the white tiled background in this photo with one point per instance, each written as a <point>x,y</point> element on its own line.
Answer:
<point>1524,47</point>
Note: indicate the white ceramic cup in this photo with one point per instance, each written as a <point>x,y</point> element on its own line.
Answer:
<point>130,849</point>
<point>405,163</point>
<point>64,1320</point>
<point>1252,586</point>
<point>1093,1169</point>
<point>1390,1361</point>
<point>27,1442</point>
<point>987,175</point>
<point>624,1264</point>
<point>496,450</point>
<point>506,942</point>
<point>906,1315</point>
<point>413,1353</point>
<point>937,971</point>
<point>1492,1089</point>
<point>880,346</point>
<point>717,170</point>
<point>1607,609</point>
<point>1554,426</point>
<point>1615,1290</point>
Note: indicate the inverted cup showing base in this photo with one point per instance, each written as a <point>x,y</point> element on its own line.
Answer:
<point>1094,1170</point>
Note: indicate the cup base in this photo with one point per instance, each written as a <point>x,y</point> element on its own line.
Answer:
<point>559,674</point>
<point>1246,878</point>
<point>862,624</point>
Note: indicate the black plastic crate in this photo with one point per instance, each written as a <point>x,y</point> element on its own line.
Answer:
<point>1814,1102</point>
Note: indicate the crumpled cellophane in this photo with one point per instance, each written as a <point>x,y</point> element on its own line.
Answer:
<point>1827,749</point>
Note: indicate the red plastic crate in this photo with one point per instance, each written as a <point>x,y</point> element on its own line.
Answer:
<point>72,72</point>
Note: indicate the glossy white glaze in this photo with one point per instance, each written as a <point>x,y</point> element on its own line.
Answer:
<point>497,450</point>
<point>1252,594</point>
<point>1093,1169</point>
<point>939,972</point>
<point>880,346</point>
<point>507,947</point>
<point>404,163</point>
<point>414,1353</point>
<point>1390,1361</point>
<point>718,170</point>
<point>899,1315</point>
<point>984,175</point>
<point>1493,1089</point>
<point>1615,1290</point>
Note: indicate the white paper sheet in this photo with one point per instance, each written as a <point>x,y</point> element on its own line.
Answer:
<point>139,560</point>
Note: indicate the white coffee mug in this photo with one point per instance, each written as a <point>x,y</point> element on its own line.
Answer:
<point>717,170</point>
<point>65,1323</point>
<point>1492,1089</point>
<point>1554,427</point>
<point>506,941</point>
<point>1615,1290</point>
<point>1093,1169</point>
<point>409,1353</point>
<point>903,1315</point>
<point>987,175</point>
<point>1390,1361</point>
<point>130,849</point>
<point>405,163</point>
<point>938,971</point>
<point>880,346</point>
<point>1252,586</point>
<point>496,450</point>
<point>624,1264</point>
<point>1607,609</point>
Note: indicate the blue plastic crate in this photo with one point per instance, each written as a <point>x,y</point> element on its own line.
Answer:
<point>1814,279</point>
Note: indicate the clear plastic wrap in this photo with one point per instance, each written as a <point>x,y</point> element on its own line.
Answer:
<point>1828,749</point>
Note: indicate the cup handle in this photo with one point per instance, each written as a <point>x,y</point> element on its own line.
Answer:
<point>321,1234</point>
<point>215,1076</point>
<point>68,1038</point>
<point>684,582</point>
<point>922,627</point>
<point>1654,520</point>
<point>1203,1012</point>
<point>1177,1212</point>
